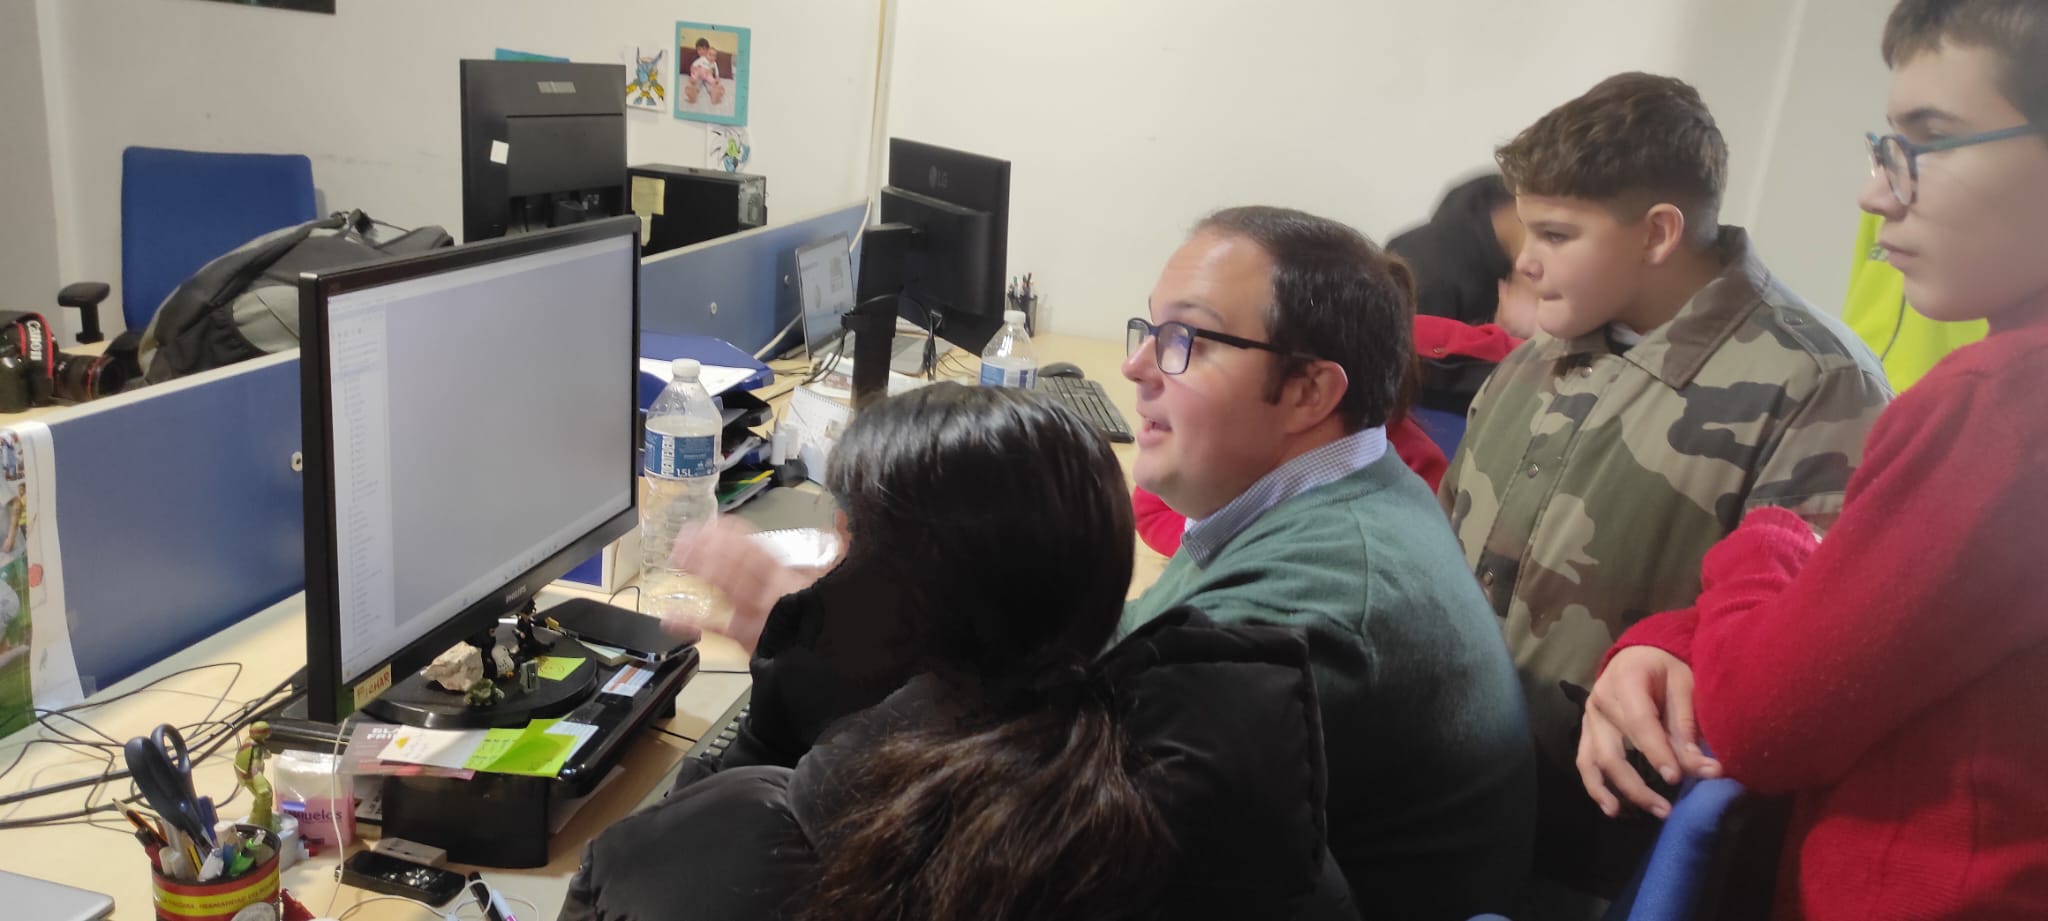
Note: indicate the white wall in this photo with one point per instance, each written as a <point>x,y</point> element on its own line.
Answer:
<point>29,276</point>
<point>1806,217</point>
<point>1125,122</point>
<point>371,95</point>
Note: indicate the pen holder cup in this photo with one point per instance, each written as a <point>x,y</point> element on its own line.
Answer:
<point>219,900</point>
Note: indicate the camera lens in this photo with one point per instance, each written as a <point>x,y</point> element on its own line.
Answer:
<point>88,377</point>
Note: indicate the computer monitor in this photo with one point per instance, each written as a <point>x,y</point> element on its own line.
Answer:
<point>943,240</point>
<point>824,273</point>
<point>468,438</point>
<point>543,145</point>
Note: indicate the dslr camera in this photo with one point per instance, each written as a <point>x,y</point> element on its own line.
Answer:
<point>34,373</point>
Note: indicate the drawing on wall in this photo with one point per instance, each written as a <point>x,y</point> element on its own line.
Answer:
<point>647,89</point>
<point>712,64</point>
<point>727,148</point>
<point>303,6</point>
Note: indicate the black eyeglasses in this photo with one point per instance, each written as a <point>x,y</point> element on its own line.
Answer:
<point>1898,159</point>
<point>1171,343</point>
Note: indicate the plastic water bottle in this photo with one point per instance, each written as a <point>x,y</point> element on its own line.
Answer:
<point>680,465</point>
<point>1009,361</point>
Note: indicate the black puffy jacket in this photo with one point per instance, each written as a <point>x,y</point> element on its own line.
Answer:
<point>1226,715</point>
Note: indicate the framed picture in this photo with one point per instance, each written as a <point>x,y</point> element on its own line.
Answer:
<point>712,65</point>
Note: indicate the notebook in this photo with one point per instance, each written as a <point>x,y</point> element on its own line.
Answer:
<point>28,897</point>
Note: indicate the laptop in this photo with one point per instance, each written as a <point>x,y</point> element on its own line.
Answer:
<point>824,272</point>
<point>28,897</point>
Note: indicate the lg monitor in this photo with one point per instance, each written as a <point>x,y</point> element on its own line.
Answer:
<point>543,145</point>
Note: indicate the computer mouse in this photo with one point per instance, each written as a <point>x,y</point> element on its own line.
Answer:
<point>1061,369</point>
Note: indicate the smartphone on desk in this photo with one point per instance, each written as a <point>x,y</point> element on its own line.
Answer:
<point>396,876</point>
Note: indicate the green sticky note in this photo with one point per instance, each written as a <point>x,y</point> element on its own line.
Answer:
<point>532,751</point>
<point>556,668</point>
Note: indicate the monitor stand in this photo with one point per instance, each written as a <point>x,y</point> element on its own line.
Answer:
<point>419,702</point>
<point>505,820</point>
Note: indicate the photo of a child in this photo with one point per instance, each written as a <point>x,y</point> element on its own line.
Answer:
<point>711,73</point>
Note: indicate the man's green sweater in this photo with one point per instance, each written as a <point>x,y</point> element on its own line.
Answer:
<point>1432,786</point>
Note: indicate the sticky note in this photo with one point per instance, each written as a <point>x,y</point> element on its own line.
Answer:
<point>500,152</point>
<point>556,668</point>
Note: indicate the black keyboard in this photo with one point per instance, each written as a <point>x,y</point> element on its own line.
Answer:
<point>1088,398</point>
<point>720,734</point>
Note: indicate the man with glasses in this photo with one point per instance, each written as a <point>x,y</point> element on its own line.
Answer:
<point>1268,366</point>
<point>1675,386</point>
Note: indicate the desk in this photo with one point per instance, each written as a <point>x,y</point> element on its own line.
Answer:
<point>270,645</point>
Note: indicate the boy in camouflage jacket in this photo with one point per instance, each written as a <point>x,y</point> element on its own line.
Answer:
<point>1676,384</point>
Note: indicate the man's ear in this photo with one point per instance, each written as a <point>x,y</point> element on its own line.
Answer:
<point>1665,229</point>
<point>1312,395</point>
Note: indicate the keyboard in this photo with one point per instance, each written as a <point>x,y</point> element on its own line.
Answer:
<point>1088,398</point>
<point>719,735</point>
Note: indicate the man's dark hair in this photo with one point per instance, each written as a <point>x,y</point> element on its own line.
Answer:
<point>1631,142</point>
<point>1336,297</point>
<point>703,43</point>
<point>2015,30</point>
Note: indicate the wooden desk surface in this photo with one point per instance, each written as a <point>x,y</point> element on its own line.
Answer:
<point>269,647</point>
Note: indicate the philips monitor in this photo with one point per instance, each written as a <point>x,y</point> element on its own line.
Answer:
<point>543,145</point>
<point>468,438</point>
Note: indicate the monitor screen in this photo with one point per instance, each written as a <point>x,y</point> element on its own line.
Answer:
<point>475,414</point>
<point>824,270</point>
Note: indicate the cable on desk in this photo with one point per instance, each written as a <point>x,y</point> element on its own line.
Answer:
<point>675,734</point>
<point>352,909</point>
<point>203,744</point>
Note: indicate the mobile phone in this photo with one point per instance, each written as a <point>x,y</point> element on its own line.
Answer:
<point>395,876</point>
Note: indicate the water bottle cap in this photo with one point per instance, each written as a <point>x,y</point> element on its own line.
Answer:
<point>685,369</point>
<point>1014,316</point>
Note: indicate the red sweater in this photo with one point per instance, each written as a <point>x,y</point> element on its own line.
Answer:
<point>1894,677</point>
<point>1161,527</point>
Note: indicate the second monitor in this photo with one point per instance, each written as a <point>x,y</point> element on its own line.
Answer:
<point>940,250</point>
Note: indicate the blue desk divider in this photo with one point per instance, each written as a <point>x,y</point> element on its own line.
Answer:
<point>179,513</point>
<point>742,274</point>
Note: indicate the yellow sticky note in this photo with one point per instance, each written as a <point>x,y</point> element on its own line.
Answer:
<point>556,668</point>
<point>650,195</point>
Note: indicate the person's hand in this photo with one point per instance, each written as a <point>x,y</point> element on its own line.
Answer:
<point>1644,700</point>
<point>725,555</point>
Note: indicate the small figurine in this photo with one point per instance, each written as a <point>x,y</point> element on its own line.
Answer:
<point>249,773</point>
<point>483,693</point>
<point>457,669</point>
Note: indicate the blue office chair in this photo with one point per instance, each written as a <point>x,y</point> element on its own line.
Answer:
<point>179,210</point>
<point>1715,859</point>
<point>1444,428</point>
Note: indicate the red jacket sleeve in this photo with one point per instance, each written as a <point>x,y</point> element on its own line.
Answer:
<point>1417,450</point>
<point>1158,526</point>
<point>1806,656</point>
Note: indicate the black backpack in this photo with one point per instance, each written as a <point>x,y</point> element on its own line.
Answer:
<point>245,304</point>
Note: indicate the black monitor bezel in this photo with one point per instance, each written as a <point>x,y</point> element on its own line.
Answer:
<point>494,92</point>
<point>325,692</point>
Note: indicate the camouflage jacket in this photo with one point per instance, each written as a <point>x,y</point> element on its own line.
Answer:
<point>1591,481</point>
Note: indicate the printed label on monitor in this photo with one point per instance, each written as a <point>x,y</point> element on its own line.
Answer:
<point>993,375</point>
<point>680,455</point>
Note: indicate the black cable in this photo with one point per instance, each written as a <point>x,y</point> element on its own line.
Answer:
<point>676,734</point>
<point>1898,326</point>
<point>203,744</point>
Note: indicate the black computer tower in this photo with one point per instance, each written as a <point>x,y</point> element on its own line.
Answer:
<point>681,205</point>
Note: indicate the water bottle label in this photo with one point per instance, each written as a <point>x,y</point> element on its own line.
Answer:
<point>680,455</point>
<point>996,376</point>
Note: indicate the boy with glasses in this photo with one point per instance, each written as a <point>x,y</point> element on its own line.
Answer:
<point>1266,373</point>
<point>1892,677</point>
<point>1676,385</point>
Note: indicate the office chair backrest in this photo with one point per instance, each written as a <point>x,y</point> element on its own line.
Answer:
<point>181,208</point>
<point>1715,858</point>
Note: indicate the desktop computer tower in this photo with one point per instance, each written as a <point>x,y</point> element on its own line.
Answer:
<point>681,205</point>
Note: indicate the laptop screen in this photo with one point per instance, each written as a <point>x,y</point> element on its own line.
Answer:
<point>824,272</point>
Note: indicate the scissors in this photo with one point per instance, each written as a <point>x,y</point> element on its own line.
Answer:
<point>162,768</point>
